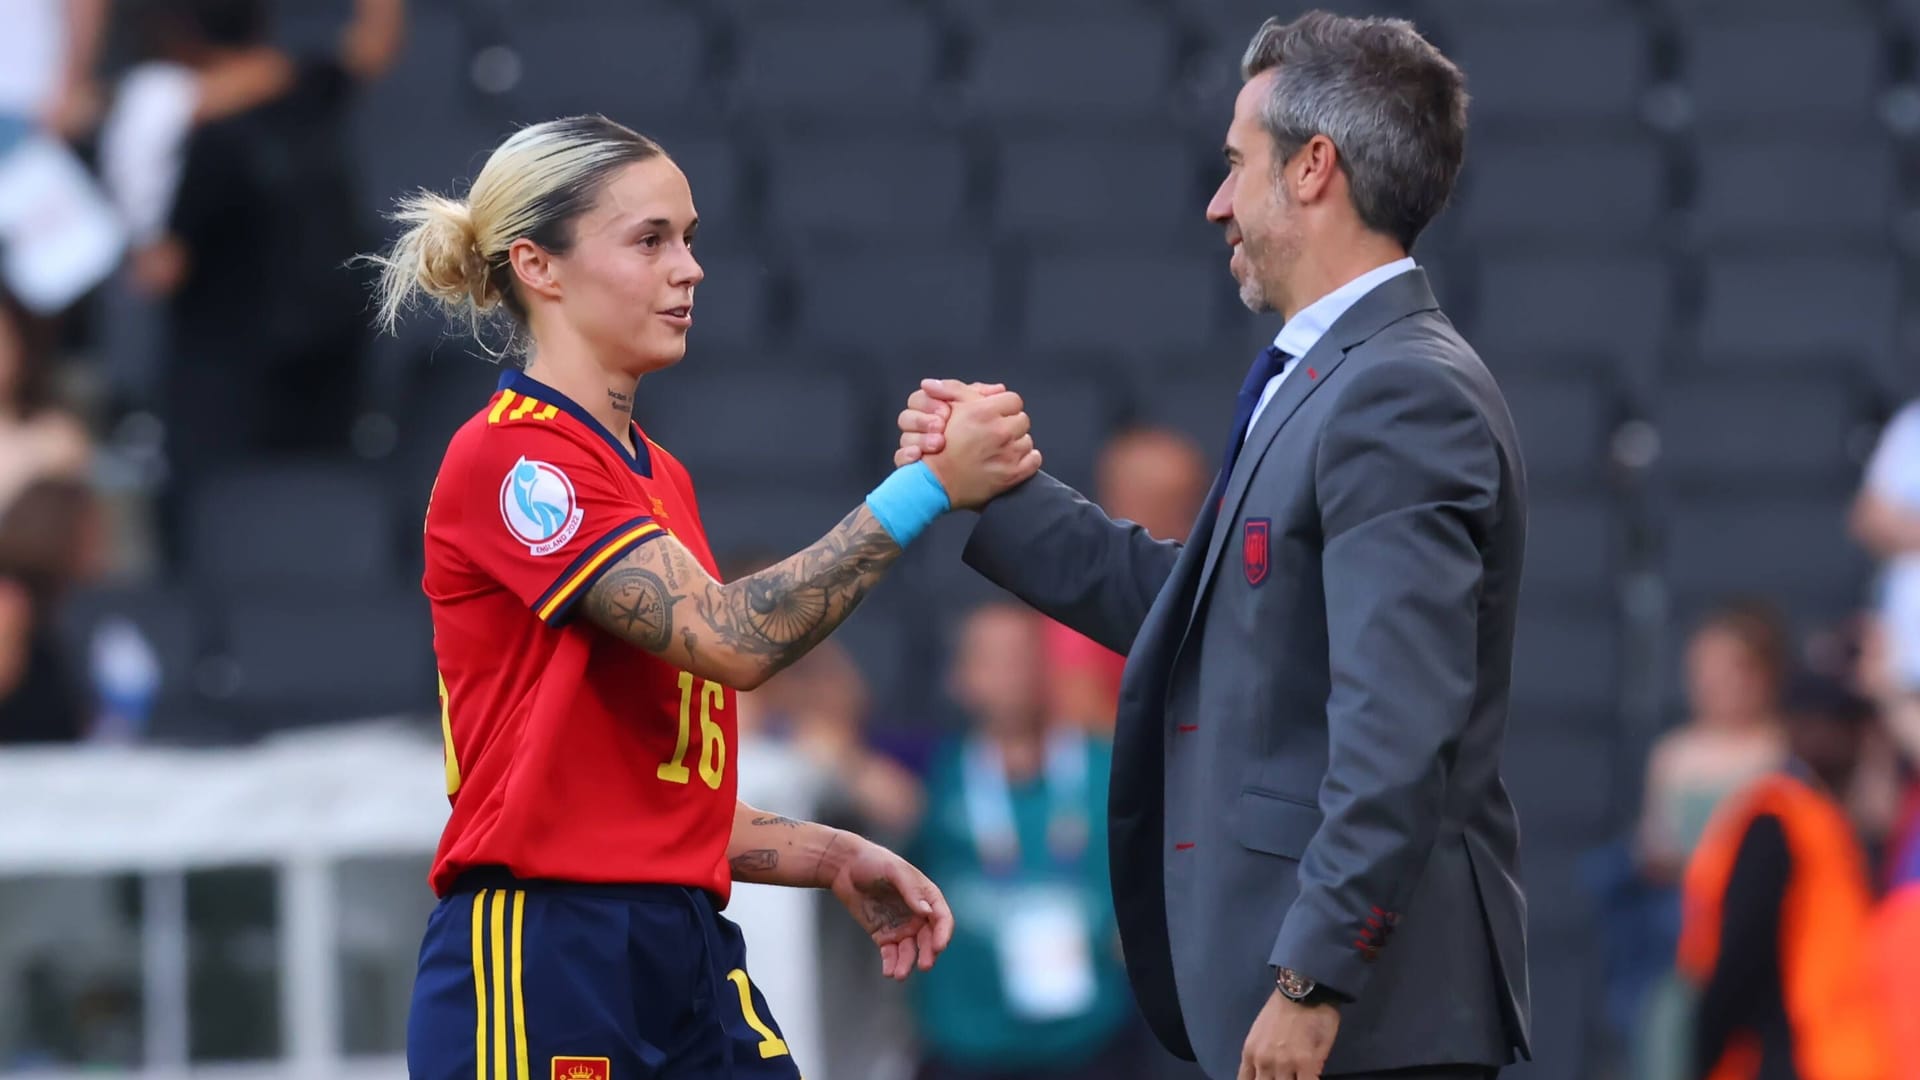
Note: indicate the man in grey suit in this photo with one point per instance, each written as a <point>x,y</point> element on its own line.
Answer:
<point>1313,854</point>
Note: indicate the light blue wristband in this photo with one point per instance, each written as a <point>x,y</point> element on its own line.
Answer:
<point>907,501</point>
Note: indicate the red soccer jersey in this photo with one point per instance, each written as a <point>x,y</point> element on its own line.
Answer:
<point>570,754</point>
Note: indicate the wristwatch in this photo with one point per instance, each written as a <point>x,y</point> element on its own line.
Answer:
<point>1298,988</point>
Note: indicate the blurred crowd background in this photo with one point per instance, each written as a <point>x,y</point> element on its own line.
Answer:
<point>1685,242</point>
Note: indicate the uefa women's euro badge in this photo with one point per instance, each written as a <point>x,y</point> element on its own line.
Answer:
<point>539,506</point>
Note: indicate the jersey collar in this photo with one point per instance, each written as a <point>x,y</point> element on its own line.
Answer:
<point>520,382</point>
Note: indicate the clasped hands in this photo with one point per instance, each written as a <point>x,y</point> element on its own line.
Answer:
<point>974,436</point>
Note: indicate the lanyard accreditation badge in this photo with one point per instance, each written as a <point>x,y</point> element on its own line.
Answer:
<point>1043,935</point>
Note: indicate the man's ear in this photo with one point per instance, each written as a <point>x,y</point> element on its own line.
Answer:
<point>1312,169</point>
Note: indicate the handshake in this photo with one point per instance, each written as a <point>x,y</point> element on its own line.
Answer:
<point>975,437</point>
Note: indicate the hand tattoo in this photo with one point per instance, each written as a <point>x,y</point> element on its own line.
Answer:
<point>884,913</point>
<point>759,860</point>
<point>635,603</point>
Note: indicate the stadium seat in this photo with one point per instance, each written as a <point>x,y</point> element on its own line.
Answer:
<point>1600,192</point>
<point>1762,305</point>
<point>895,300</point>
<point>897,186</point>
<point>1565,424</point>
<point>1779,193</point>
<point>1793,548</point>
<point>718,177</point>
<point>1551,72</point>
<point>1733,71</point>
<point>1760,434</point>
<point>1566,668</point>
<point>870,64</point>
<point>1573,547</point>
<point>1124,302</point>
<point>641,64</point>
<point>1085,71</point>
<point>318,525</point>
<point>326,656</point>
<point>1192,391</point>
<point>1560,769</point>
<point>779,519</point>
<point>419,126</point>
<point>1617,307</point>
<point>1232,23</point>
<point>1143,183</point>
<point>796,422</point>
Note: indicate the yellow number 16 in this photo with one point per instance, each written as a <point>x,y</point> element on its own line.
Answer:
<point>713,741</point>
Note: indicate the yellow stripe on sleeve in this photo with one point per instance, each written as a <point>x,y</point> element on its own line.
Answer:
<point>519,993</point>
<point>479,991</point>
<point>499,980</point>
<point>547,413</point>
<point>585,573</point>
<point>499,407</point>
<point>521,410</point>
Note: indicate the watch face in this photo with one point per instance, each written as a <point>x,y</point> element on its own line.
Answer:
<point>1295,985</point>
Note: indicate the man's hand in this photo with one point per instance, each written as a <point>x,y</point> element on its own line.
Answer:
<point>985,449</point>
<point>895,903</point>
<point>1289,1041</point>
<point>923,423</point>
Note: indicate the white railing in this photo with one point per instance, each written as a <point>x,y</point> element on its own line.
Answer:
<point>302,804</point>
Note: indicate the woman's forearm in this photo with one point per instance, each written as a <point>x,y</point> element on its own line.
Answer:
<point>770,849</point>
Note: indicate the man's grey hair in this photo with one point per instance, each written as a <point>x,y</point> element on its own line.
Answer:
<point>1393,106</point>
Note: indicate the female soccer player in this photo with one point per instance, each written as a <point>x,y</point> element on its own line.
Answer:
<point>589,657</point>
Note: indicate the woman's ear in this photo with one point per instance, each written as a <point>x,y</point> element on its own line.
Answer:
<point>533,267</point>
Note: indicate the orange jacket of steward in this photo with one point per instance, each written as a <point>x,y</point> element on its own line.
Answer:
<point>1896,949</point>
<point>1834,1017</point>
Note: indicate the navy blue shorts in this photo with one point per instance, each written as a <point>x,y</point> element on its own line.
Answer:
<point>525,980</point>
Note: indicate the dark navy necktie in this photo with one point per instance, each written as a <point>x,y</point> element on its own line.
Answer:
<point>1269,363</point>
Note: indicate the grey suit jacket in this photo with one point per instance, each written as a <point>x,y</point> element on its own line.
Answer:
<point>1307,753</point>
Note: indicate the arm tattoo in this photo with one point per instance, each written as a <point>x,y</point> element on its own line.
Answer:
<point>757,861</point>
<point>779,613</point>
<point>778,819</point>
<point>633,602</point>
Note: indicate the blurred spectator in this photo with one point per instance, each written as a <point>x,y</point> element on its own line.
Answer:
<point>38,439</point>
<point>53,535</point>
<point>1155,478</point>
<point>39,701</point>
<point>266,333</point>
<point>1886,520</point>
<point>1777,901</point>
<point>1735,665</point>
<point>47,62</point>
<point>1015,833</point>
<point>58,236</point>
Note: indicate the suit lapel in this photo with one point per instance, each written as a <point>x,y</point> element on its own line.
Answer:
<point>1392,301</point>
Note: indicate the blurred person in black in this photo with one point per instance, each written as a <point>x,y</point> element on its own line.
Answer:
<point>1776,939</point>
<point>265,326</point>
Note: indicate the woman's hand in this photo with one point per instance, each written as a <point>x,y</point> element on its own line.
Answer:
<point>895,903</point>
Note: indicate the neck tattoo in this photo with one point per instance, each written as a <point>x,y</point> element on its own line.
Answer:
<point>621,401</point>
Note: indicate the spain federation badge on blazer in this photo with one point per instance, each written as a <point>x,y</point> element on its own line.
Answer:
<point>1253,548</point>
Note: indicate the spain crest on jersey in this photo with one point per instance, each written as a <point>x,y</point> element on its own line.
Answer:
<point>1253,549</point>
<point>582,1068</point>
